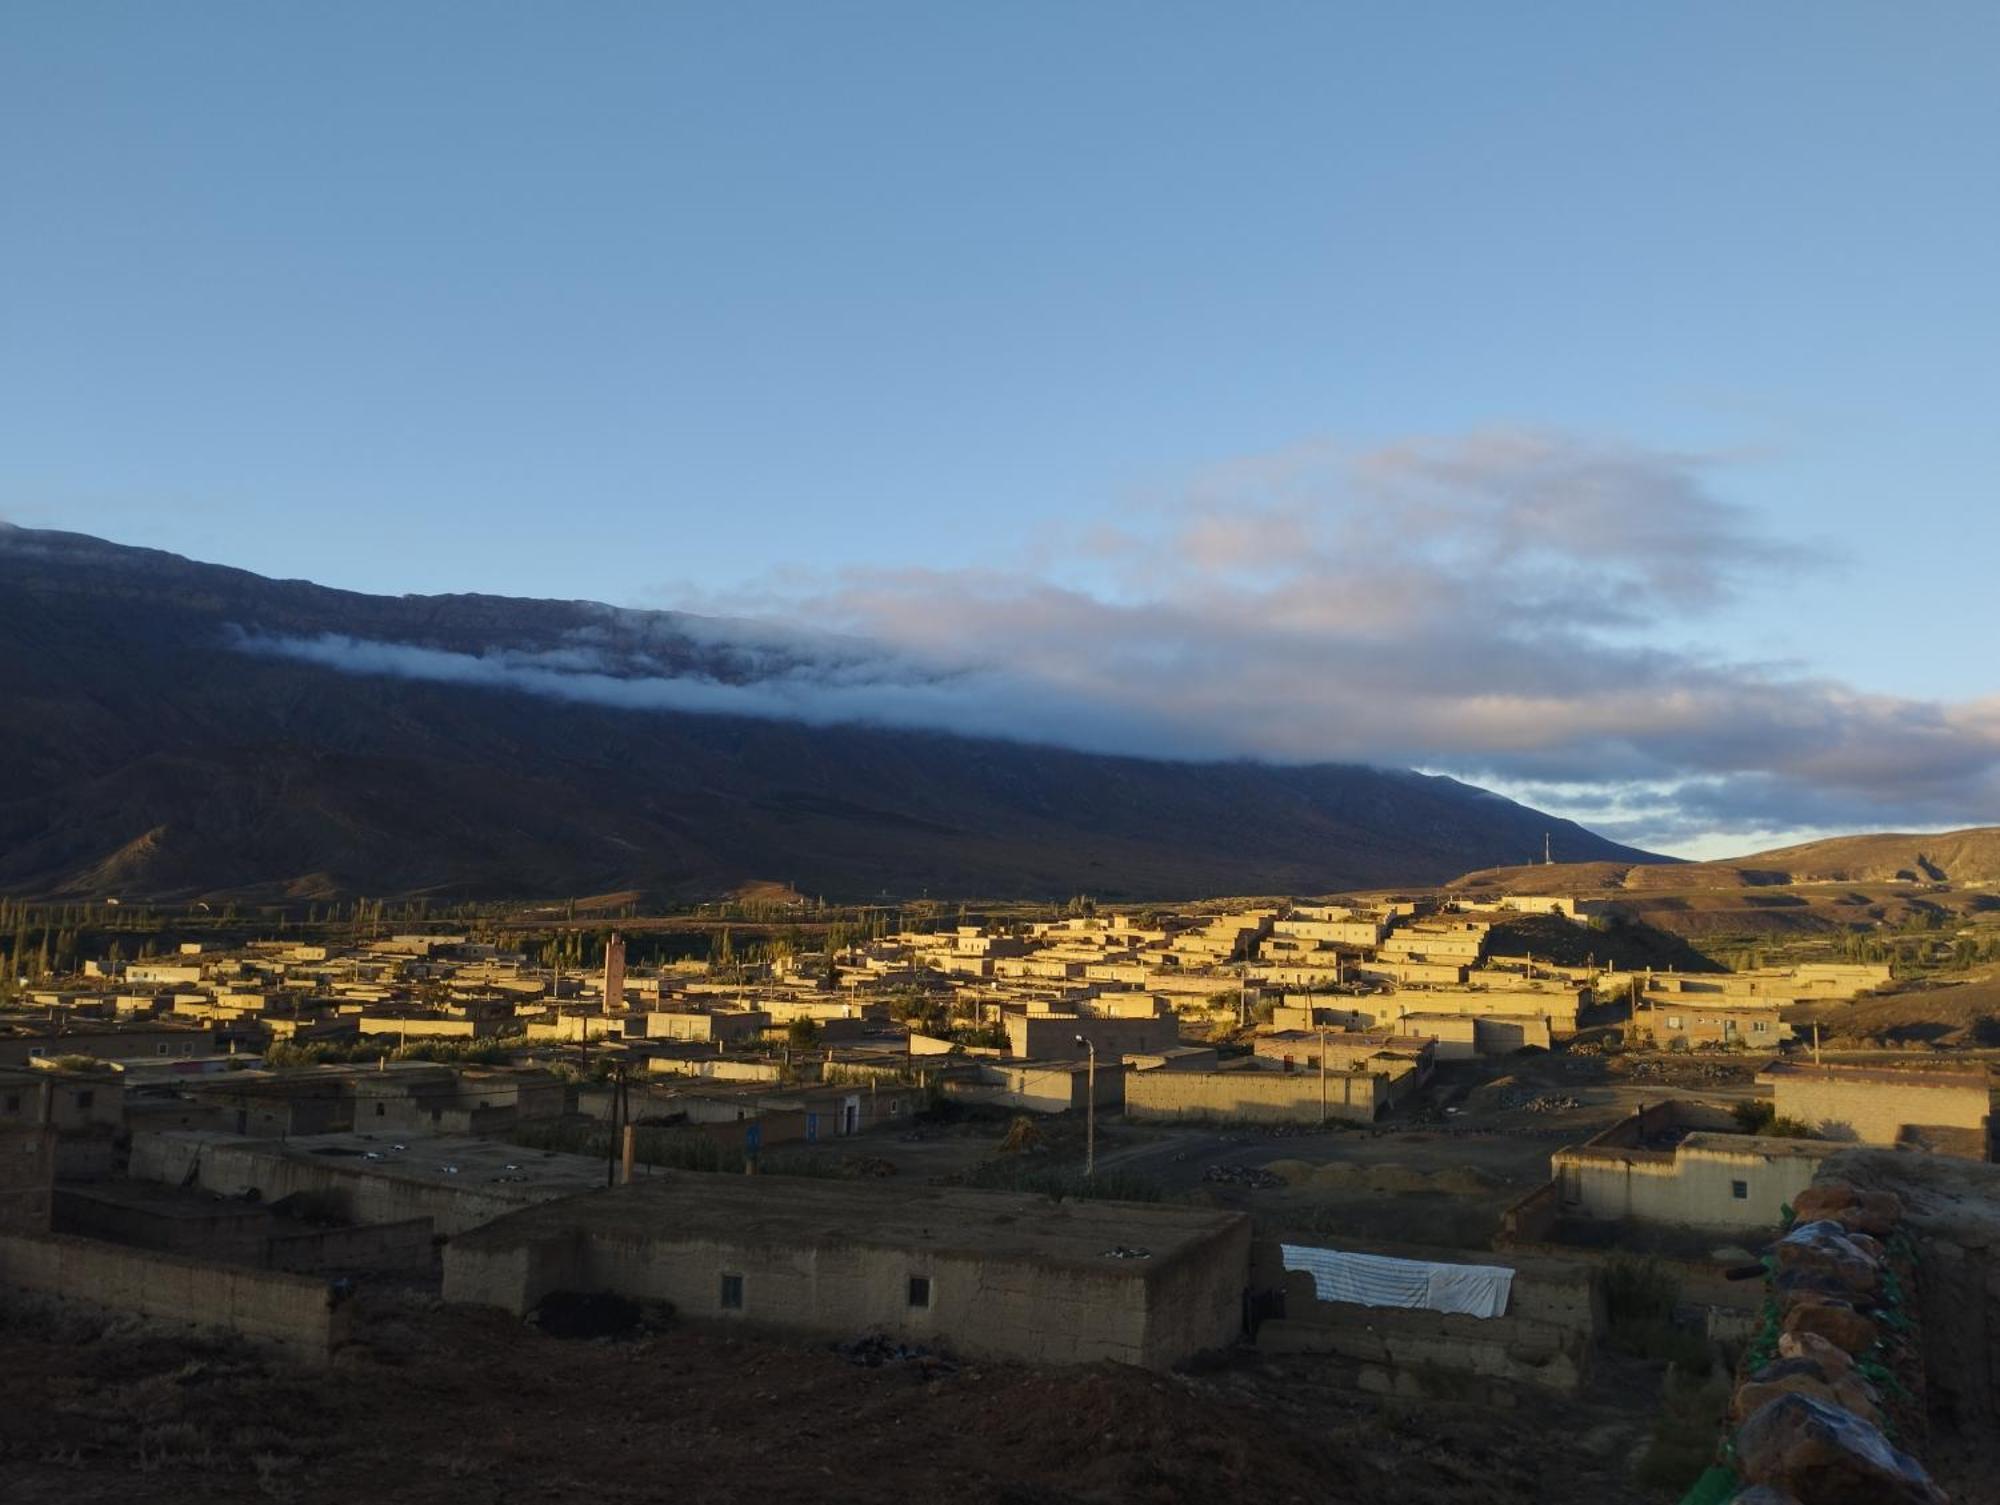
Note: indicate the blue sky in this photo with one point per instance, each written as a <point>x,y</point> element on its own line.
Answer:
<point>805,309</point>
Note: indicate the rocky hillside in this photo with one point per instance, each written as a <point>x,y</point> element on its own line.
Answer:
<point>158,747</point>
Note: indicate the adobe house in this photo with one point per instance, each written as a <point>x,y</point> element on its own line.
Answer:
<point>1688,1022</point>
<point>1709,1180</point>
<point>986,1274</point>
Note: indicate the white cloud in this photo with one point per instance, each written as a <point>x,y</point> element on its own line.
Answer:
<point>1491,605</point>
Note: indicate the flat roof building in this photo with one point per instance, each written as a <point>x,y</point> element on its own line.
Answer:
<point>988,1274</point>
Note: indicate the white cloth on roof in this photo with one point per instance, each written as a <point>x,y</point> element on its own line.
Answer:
<point>1377,1280</point>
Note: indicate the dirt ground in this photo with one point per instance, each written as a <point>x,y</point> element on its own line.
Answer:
<point>1440,1171</point>
<point>437,1404</point>
<point>1954,1015</point>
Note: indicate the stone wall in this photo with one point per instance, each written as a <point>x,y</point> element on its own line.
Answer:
<point>27,1177</point>
<point>1832,1396</point>
<point>1950,1210</point>
<point>1544,1338</point>
<point>295,1312</point>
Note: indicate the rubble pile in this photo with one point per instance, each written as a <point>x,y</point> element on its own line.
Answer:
<point>1551,1103</point>
<point>1250,1177</point>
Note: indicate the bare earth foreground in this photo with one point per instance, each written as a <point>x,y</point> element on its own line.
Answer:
<point>437,1404</point>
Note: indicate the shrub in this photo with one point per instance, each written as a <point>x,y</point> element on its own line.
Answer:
<point>1058,1182</point>
<point>1639,1302</point>
<point>1753,1115</point>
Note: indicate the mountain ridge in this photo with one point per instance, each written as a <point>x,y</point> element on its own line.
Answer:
<point>153,759</point>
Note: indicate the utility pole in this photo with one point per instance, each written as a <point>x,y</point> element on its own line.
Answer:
<point>1322,1079</point>
<point>1089,1112</point>
<point>619,1128</point>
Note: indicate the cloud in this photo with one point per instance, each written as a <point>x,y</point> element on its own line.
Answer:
<point>1498,606</point>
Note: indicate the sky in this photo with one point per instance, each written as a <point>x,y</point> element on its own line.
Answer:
<point>1594,402</point>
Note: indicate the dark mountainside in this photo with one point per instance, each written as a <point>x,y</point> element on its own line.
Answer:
<point>146,757</point>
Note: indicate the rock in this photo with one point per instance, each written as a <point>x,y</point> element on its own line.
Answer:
<point>1878,1212</point>
<point>1833,1360</point>
<point>1873,1212</point>
<point>1811,1285</point>
<point>1800,1376</point>
<point>1824,1249</point>
<point>1763,1494</point>
<point>1821,1453</point>
<point>1825,1199</point>
<point>1840,1324</point>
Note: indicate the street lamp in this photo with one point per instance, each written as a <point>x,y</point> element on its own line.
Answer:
<point>1089,1113</point>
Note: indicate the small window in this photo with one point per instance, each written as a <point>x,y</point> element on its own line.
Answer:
<point>381,1110</point>
<point>732,1293</point>
<point>36,1050</point>
<point>160,1049</point>
<point>84,1100</point>
<point>1758,1026</point>
<point>1673,1021</point>
<point>13,1102</point>
<point>1740,1190</point>
<point>920,1291</point>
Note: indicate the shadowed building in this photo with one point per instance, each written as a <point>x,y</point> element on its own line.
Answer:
<point>993,1274</point>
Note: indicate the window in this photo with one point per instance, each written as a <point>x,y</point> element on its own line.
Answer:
<point>1759,1026</point>
<point>1740,1190</point>
<point>160,1049</point>
<point>920,1291</point>
<point>1673,1021</point>
<point>13,1102</point>
<point>84,1100</point>
<point>732,1293</point>
<point>381,1109</point>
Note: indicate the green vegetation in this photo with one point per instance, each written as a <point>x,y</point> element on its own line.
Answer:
<point>1639,1302</point>
<point>1692,1408</point>
<point>669,1148</point>
<point>1036,1176</point>
<point>88,1064</point>
<point>1756,1116</point>
<point>496,1052</point>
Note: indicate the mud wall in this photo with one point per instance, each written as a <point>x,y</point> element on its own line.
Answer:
<point>296,1313</point>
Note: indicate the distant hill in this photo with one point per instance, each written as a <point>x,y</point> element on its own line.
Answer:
<point>1969,856</point>
<point>147,755</point>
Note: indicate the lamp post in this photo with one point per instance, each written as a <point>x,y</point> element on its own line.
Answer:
<point>1089,1112</point>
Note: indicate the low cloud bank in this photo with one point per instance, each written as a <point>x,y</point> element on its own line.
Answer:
<point>1494,606</point>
